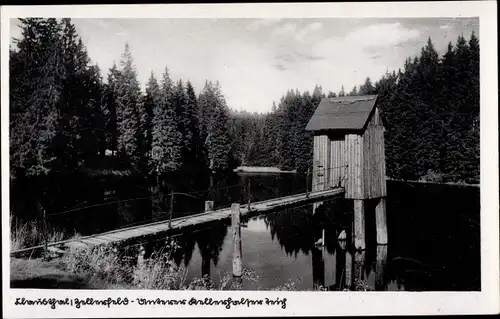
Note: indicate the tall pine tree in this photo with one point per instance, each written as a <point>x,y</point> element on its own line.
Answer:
<point>36,80</point>
<point>129,112</point>
<point>217,142</point>
<point>166,139</point>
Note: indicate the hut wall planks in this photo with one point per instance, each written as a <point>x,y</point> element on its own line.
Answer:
<point>374,158</point>
<point>354,156</point>
<point>338,162</point>
<point>321,162</point>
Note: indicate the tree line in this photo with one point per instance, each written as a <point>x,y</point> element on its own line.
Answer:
<point>430,110</point>
<point>65,119</point>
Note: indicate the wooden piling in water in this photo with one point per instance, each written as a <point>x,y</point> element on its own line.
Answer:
<point>379,267</point>
<point>248,194</point>
<point>359,263</point>
<point>318,269</point>
<point>359,224</point>
<point>209,206</point>
<point>381,222</point>
<point>236,229</point>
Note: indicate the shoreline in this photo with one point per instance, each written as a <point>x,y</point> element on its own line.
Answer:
<point>261,170</point>
<point>430,182</point>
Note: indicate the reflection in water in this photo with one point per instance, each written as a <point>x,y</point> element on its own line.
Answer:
<point>185,251</point>
<point>359,265</point>
<point>210,246</point>
<point>380,283</point>
<point>209,243</point>
<point>293,229</point>
<point>318,268</point>
<point>340,272</point>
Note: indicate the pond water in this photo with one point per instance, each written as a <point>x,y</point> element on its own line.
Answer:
<point>433,245</point>
<point>433,231</point>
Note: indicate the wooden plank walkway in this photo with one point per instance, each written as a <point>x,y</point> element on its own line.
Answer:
<point>182,223</point>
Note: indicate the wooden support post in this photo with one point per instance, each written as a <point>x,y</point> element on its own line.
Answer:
<point>248,194</point>
<point>359,224</point>
<point>381,221</point>
<point>349,265</point>
<point>140,256</point>
<point>209,206</point>
<point>45,232</point>
<point>235,225</point>
<point>171,209</point>
<point>212,192</point>
<point>307,183</point>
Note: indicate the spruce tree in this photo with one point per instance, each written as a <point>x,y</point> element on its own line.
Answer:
<point>367,88</point>
<point>341,92</point>
<point>129,112</point>
<point>166,138</point>
<point>82,132</point>
<point>36,74</point>
<point>195,161</point>
<point>179,101</point>
<point>110,104</point>
<point>191,113</point>
<point>354,91</point>
<point>304,143</point>
<point>152,100</point>
<point>217,142</point>
<point>331,94</point>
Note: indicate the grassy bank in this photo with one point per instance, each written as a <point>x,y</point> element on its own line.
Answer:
<point>104,268</point>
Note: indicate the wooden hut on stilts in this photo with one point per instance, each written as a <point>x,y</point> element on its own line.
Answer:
<point>349,152</point>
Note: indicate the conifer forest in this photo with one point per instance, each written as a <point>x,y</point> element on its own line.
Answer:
<point>70,118</point>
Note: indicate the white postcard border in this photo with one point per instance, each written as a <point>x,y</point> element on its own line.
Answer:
<point>298,303</point>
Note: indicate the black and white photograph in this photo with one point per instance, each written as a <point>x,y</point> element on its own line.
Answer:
<point>215,154</point>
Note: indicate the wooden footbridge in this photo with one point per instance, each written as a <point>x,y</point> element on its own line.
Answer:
<point>182,224</point>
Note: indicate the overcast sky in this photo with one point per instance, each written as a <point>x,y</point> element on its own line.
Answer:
<point>257,60</point>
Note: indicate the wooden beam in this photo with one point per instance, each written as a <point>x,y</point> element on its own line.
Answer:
<point>235,225</point>
<point>359,224</point>
<point>381,222</point>
<point>209,206</point>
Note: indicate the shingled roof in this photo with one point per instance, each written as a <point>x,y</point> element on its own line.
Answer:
<point>342,113</point>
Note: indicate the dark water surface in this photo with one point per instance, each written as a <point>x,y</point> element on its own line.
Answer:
<point>433,230</point>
